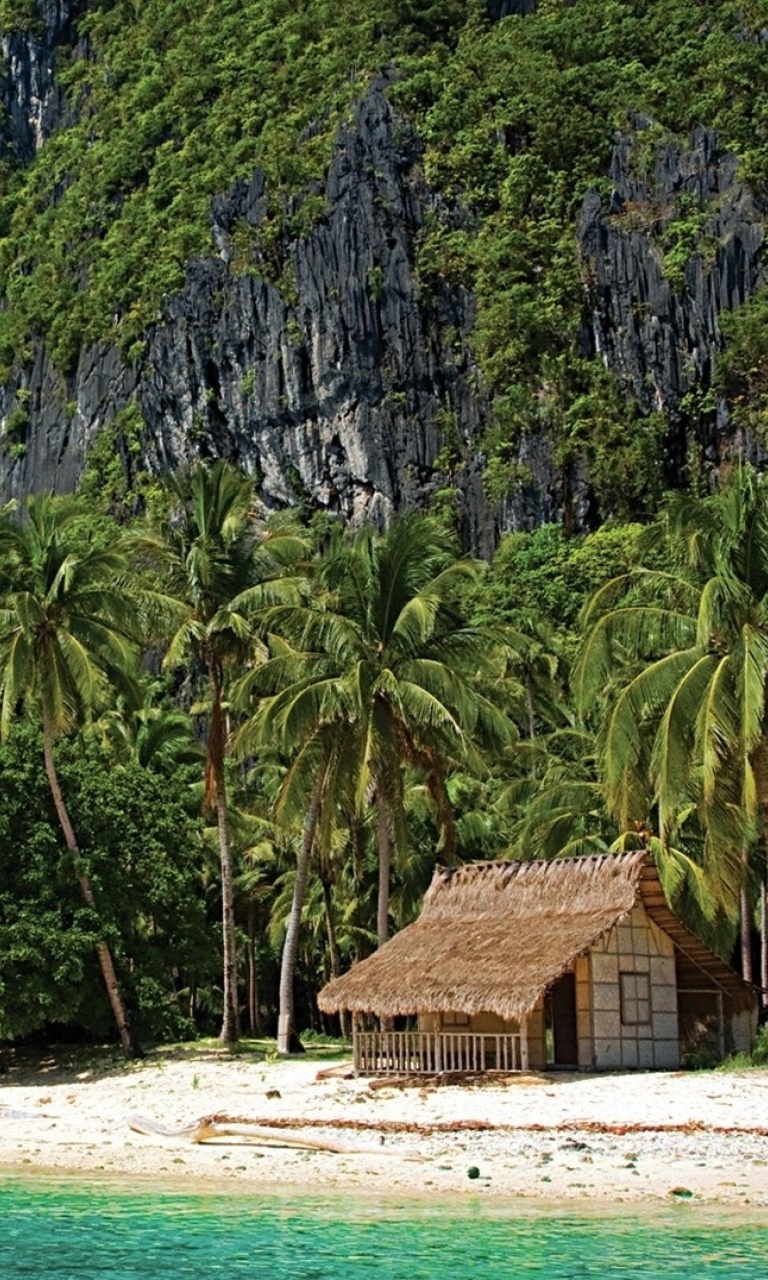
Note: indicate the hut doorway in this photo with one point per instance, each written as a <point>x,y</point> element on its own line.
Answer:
<point>562,1037</point>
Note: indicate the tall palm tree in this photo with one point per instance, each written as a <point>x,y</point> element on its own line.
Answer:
<point>378,668</point>
<point>217,568</point>
<point>684,736</point>
<point>65,634</point>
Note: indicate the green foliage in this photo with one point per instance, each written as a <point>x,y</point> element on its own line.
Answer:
<point>677,676</point>
<point>143,851</point>
<point>518,118</point>
<point>18,15</point>
<point>548,576</point>
<point>114,482</point>
<point>742,369</point>
<point>17,420</point>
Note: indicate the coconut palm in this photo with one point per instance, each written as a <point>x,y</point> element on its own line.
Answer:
<point>553,801</point>
<point>65,636</point>
<point>155,737</point>
<point>684,736</point>
<point>217,568</point>
<point>376,673</point>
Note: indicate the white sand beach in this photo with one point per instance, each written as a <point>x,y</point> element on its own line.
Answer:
<point>624,1137</point>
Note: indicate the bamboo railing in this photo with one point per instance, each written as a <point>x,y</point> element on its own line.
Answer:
<point>384,1053</point>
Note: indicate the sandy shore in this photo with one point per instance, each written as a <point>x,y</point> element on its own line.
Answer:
<point>623,1137</point>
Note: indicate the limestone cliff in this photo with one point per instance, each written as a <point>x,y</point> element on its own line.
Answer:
<point>333,374</point>
<point>654,315</point>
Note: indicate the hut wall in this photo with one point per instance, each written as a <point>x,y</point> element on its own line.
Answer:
<point>743,1029</point>
<point>537,1044</point>
<point>584,1034</point>
<point>634,996</point>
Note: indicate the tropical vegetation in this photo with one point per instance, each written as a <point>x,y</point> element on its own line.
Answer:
<point>234,747</point>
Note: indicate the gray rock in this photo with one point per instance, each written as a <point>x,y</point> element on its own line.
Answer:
<point>660,336</point>
<point>332,396</point>
<point>29,94</point>
<point>341,390</point>
<point>502,8</point>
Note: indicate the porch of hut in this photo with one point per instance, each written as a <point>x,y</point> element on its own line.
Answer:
<point>449,1042</point>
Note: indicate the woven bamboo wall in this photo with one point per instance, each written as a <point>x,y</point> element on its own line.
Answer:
<point>622,1038</point>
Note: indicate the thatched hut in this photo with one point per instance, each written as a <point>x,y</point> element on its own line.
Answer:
<point>577,962</point>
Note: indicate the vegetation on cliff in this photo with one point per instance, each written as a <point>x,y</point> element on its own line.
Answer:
<point>167,106</point>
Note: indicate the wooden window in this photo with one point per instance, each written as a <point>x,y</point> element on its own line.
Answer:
<point>635,999</point>
<point>455,1019</point>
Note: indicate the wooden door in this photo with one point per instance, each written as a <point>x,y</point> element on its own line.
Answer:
<point>566,1044</point>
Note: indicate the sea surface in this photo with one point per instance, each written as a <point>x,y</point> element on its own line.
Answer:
<point>77,1231</point>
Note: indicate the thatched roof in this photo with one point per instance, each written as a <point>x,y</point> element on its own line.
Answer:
<point>493,936</point>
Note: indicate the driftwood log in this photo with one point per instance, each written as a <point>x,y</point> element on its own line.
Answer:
<point>208,1127</point>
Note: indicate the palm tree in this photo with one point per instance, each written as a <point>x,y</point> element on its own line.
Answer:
<point>554,802</point>
<point>684,737</point>
<point>217,569</point>
<point>376,673</point>
<point>65,628</point>
<point>154,736</point>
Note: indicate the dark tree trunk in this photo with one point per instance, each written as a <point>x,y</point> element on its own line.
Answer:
<point>764,944</point>
<point>106,964</point>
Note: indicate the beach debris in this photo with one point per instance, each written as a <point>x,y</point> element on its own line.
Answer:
<point>208,1127</point>
<point>274,1093</point>
<point>340,1071</point>
<point>681,1193</point>
<point>269,1134</point>
<point>423,1129</point>
<point>473,1172</point>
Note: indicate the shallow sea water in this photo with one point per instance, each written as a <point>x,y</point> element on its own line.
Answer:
<point>65,1231</point>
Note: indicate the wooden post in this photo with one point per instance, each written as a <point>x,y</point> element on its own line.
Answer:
<point>355,1045</point>
<point>524,1043</point>
<point>720,1026</point>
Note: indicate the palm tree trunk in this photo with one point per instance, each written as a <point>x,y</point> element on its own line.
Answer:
<point>761,779</point>
<point>230,1026</point>
<point>106,964</point>
<point>285,1022</point>
<point>746,921</point>
<point>333,944</point>
<point>385,863</point>
<point>215,788</point>
<point>254,1020</point>
<point>764,945</point>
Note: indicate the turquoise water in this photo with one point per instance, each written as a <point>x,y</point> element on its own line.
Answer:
<point>65,1232</point>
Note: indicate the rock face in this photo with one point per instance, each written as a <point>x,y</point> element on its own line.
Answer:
<point>502,8</point>
<point>333,374</point>
<point>330,388</point>
<point>29,94</point>
<point>340,389</point>
<point>653,312</point>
